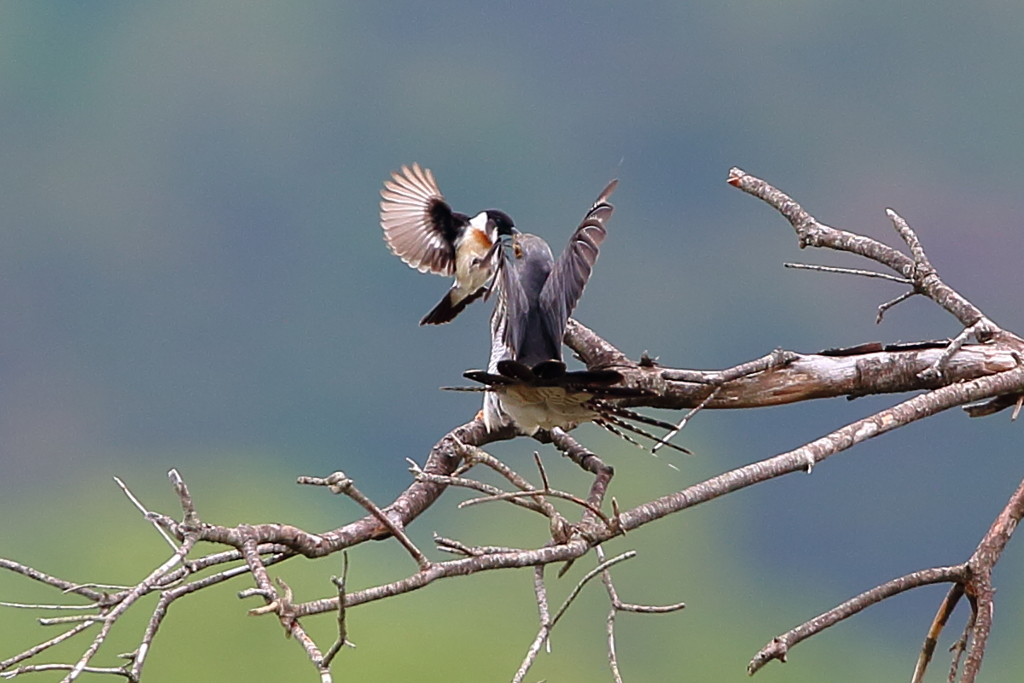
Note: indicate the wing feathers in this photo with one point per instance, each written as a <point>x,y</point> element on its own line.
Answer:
<point>419,226</point>
<point>571,271</point>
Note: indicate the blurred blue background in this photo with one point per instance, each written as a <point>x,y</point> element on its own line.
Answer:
<point>193,276</point>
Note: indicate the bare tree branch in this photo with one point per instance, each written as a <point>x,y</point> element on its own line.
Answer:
<point>949,373</point>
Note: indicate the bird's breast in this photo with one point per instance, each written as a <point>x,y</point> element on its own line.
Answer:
<point>534,408</point>
<point>474,241</point>
<point>470,273</point>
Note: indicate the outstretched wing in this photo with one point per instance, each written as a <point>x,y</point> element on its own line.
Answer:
<point>508,320</point>
<point>569,275</point>
<point>419,226</point>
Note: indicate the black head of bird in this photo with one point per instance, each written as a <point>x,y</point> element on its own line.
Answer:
<point>421,229</point>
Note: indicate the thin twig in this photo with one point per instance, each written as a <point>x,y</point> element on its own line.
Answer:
<point>686,419</point>
<point>617,606</point>
<point>547,623</point>
<point>960,646</point>
<point>541,593</point>
<point>596,571</point>
<point>191,519</point>
<point>934,371</point>
<point>606,578</point>
<point>338,483</point>
<point>24,605</point>
<point>848,271</point>
<point>486,489</point>
<point>512,495</point>
<point>776,359</point>
<point>779,647</point>
<point>908,235</point>
<point>42,647</point>
<point>589,461</point>
<point>71,619</point>
<point>543,473</point>
<point>474,455</point>
<point>42,577</point>
<point>613,659</point>
<point>129,599</point>
<point>145,513</point>
<point>342,628</point>
<point>942,616</point>
<point>544,630</point>
<point>454,547</point>
<point>74,670</point>
<point>882,308</point>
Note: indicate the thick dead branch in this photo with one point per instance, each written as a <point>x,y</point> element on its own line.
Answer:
<point>876,370</point>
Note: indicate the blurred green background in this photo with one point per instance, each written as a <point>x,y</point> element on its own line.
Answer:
<point>193,276</point>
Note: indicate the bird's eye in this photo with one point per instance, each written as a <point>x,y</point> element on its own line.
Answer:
<point>518,250</point>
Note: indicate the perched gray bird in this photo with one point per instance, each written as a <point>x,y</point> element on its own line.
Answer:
<point>528,383</point>
<point>538,293</point>
<point>422,230</point>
